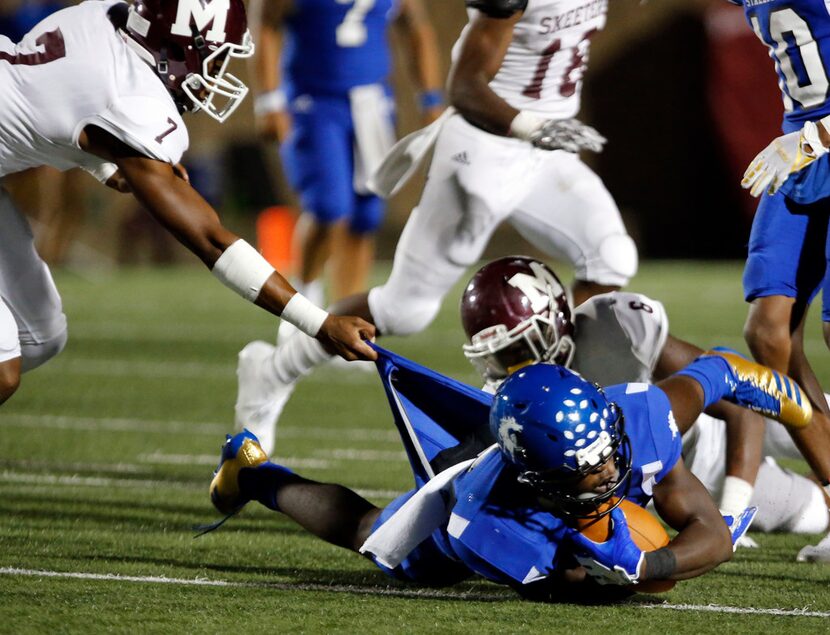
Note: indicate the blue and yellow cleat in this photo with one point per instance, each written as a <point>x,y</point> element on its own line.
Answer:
<point>766,391</point>
<point>240,451</point>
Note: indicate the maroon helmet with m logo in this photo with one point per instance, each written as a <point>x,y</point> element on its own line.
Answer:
<point>515,311</point>
<point>190,43</point>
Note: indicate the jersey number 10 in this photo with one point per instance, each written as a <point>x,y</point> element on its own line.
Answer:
<point>803,75</point>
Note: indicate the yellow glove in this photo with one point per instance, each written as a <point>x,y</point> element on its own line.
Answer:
<point>786,155</point>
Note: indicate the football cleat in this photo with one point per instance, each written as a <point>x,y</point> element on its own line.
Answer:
<point>260,396</point>
<point>239,451</point>
<point>816,553</point>
<point>766,391</point>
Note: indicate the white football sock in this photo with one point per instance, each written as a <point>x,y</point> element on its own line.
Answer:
<point>298,356</point>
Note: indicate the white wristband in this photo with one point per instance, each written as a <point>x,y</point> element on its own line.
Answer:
<point>736,495</point>
<point>304,314</point>
<point>525,124</point>
<point>272,101</point>
<point>243,269</point>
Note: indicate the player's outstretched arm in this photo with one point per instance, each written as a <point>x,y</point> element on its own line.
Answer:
<point>703,540</point>
<point>194,223</point>
<point>482,50</point>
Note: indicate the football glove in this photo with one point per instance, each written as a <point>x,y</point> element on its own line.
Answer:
<point>617,560</point>
<point>739,525</point>
<point>570,135</point>
<point>764,390</point>
<point>786,155</point>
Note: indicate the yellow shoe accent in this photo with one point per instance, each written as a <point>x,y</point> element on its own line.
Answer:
<point>795,409</point>
<point>224,488</point>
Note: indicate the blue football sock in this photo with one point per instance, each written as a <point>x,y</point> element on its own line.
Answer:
<point>715,376</point>
<point>263,482</point>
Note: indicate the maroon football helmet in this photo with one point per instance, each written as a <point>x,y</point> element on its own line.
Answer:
<point>190,43</point>
<point>515,311</point>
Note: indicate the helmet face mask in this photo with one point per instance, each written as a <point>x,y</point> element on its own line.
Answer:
<point>560,488</point>
<point>515,312</point>
<point>557,430</point>
<point>190,43</point>
<point>216,84</point>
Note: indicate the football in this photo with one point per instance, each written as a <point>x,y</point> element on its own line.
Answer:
<point>646,531</point>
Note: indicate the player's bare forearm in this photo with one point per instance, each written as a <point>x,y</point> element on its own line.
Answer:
<point>482,52</point>
<point>703,541</point>
<point>266,28</point>
<point>418,30</point>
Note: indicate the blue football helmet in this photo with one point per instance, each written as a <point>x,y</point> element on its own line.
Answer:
<point>556,428</point>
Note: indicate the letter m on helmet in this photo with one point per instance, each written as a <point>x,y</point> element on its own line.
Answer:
<point>203,13</point>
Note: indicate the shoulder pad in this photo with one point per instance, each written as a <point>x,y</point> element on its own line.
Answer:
<point>498,8</point>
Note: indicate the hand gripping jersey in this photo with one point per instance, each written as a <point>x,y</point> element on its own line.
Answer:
<point>797,33</point>
<point>499,531</point>
<point>335,45</point>
<point>544,64</point>
<point>73,70</point>
<point>618,337</point>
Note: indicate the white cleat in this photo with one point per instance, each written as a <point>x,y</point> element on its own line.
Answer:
<point>816,553</point>
<point>260,396</point>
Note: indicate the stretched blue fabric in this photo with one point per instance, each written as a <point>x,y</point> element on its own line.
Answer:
<point>432,412</point>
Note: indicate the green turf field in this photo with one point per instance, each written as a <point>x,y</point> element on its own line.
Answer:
<point>106,454</point>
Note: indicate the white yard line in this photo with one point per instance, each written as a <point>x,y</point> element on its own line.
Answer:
<point>387,591</point>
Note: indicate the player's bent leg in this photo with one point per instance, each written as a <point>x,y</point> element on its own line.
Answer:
<point>331,512</point>
<point>570,215</point>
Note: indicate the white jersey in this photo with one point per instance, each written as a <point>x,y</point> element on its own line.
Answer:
<point>544,64</point>
<point>618,337</point>
<point>73,70</point>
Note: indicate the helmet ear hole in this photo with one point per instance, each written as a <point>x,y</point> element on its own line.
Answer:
<point>521,407</point>
<point>553,437</point>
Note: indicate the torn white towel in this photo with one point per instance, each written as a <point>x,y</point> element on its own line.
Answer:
<point>404,158</point>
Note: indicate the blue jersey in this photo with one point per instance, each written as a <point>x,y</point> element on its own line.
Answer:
<point>335,45</point>
<point>498,529</point>
<point>797,33</point>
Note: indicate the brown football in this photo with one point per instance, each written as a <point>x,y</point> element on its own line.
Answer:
<point>646,531</point>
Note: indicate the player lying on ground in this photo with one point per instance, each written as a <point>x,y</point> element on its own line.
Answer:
<point>515,312</point>
<point>565,448</point>
<point>498,157</point>
<point>101,86</point>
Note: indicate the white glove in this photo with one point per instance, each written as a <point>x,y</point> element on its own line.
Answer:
<point>603,575</point>
<point>774,164</point>
<point>570,135</point>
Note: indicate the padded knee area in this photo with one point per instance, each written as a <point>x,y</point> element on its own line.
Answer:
<point>403,315</point>
<point>35,355</point>
<point>618,261</point>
